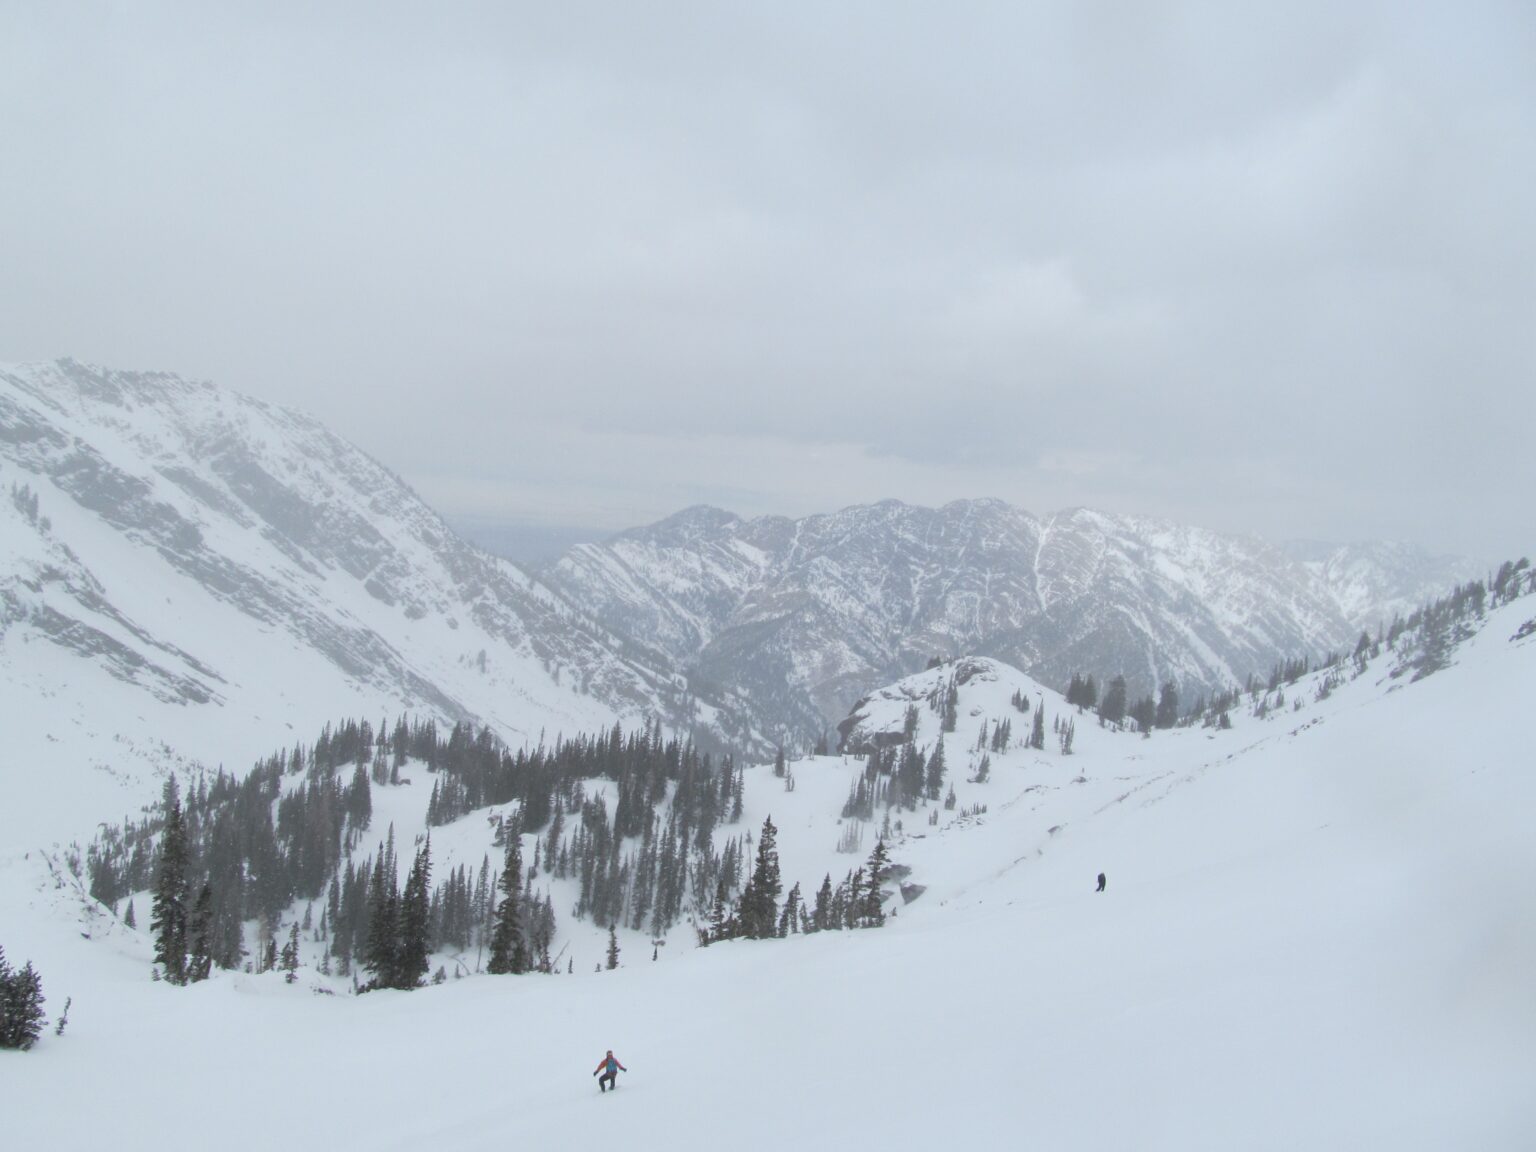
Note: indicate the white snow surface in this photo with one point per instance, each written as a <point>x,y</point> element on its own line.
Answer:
<point>204,576</point>
<point>1319,932</point>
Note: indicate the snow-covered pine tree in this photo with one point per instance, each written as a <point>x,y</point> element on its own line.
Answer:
<point>613,946</point>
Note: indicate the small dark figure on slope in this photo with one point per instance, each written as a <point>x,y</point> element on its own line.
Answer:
<point>610,1068</point>
<point>1102,882</point>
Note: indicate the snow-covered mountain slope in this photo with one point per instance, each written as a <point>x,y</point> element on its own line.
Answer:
<point>1317,933</point>
<point>803,617</point>
<point>187,574</point>
<point>1374,583</point>
<point>185,568</point>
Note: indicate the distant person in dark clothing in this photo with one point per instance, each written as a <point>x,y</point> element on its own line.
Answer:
<point>1102,882</point>
<point>611,1075</point>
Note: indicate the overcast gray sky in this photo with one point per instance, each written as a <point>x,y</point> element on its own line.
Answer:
<point>1261,268</point>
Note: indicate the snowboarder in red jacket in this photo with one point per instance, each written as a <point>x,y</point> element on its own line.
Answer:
<point>610,1067</point>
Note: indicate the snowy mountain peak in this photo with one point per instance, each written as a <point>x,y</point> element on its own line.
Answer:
<point>694,523</point>
<point>171,545</point>
<point>803,617</point>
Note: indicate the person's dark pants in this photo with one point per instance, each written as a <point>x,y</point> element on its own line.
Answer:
<point>607,1080</point>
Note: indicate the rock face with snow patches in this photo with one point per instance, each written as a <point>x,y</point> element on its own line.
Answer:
<point>1374,582</point>
<point>804,616</point>
<point>171,544</point>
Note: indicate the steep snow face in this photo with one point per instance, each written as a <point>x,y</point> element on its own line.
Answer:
<point>806,616</point>
<point>172,548</point>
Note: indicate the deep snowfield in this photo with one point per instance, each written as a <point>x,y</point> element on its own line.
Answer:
<point>1319,932</point>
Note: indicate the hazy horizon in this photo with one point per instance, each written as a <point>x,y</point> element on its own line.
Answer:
<point>534,544</point>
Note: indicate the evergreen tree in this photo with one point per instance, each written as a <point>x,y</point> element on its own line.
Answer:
<point>200,932</point>
<point>789,918</point>
<point>1144,712</point>
<point>291,956</point>
<point>821,916</point>
<point>1037,731</point>
<point>415,922</point>
<point>1112,710</point>
<point>21,1005</point>
<point>1435,651</point>
<point>719,921</point>
<point>360,800</point>
<point>169,918</point>
<point>872,913</point>
<point>757,916</point>
<point>613,946</point>
<point>380,949</point>
<point>736,796</point>
<point>129,919</point>
<point>1167,714</point>
<point>934,773</point>
<point>1076,691</point>
<point>908,783</point>
<point>850,900</point>
<point>508,952</point>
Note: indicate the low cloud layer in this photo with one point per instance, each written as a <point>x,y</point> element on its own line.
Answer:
<point>1267,272</point>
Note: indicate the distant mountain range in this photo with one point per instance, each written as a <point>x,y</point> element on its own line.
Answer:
<point>803,616</point>
<point>186,566</point>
